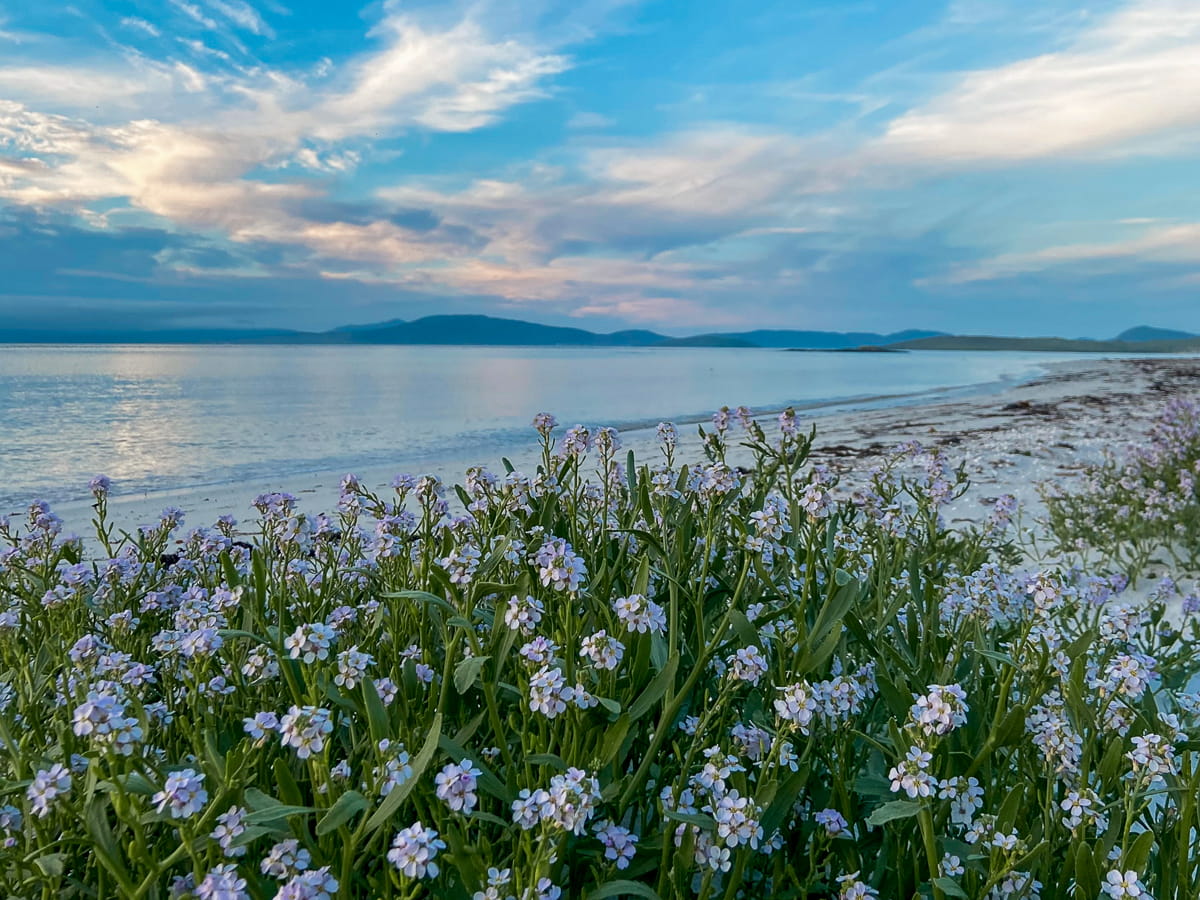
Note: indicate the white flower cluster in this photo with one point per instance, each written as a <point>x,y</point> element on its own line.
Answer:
<point>640,614</point>
<point>308,643</point>
<point>559,567</point>
<point>568,804</point>
<point>941,710</point>
<point>413,851</point>
<point>306,729</point>
<point>911,774</point>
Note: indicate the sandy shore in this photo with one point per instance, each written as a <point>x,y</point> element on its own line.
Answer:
<point>1011,440</point>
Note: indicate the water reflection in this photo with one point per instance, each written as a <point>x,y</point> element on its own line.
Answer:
<point>162,417</point>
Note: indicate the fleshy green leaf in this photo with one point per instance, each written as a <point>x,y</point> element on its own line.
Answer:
<point>890,812</point>
<point>345,808</point>
<point>391,803</point>
<point>466,673</point>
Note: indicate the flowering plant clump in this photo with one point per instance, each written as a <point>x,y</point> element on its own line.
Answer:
<point>596,679</point>
<point>1138,505</point>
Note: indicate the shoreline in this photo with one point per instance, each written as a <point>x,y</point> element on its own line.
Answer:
<point>1008,434</point>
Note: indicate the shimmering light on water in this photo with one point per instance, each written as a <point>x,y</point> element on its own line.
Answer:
<point>162,417</point>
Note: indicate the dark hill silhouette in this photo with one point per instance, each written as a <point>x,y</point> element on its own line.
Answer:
<point>1149,333</point>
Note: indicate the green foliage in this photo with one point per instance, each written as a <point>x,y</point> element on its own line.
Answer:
<point>657,682</point>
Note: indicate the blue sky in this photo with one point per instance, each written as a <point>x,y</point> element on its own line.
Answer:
<point>970,166</point>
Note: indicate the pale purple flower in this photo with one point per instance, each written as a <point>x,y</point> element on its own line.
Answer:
<point>309,643</point>
<point>229,828</point>
<point>47,786</point>
<point>456,785</point>
<point>285,860</point>
<point>315,884</point>
<point>306,728</point>
<point>620,844</point>
<point>182,795</point>
<point>413,851</point>
<point>222,883</point>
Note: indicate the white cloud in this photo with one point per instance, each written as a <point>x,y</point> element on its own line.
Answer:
<point>1179,243</point>
<point>457,79</point>
<point>1132,76</point>
<point>194,163</point>
<point>195,13</point>
<point>632,226</point>
<point>671,310</point>
<point>243,15</point>
<point>135,24</point>
<point>80,88</point>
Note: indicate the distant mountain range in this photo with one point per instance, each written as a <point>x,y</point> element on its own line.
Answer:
<point>1135,340</point>
<point>493,331</point>
<point>471,331</point>
<point>1146,333</point>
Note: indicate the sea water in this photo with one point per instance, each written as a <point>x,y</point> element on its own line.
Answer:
<point>172,417</point>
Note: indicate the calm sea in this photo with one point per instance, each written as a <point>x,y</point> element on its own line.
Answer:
<point>166,417</point>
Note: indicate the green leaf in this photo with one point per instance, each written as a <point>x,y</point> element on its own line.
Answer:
<point>52,865</point>
<point>950,888</point>
<point>250,835</point>
<point>614,738</point>
<point>828,624</point>
<point>130,782</point>
<point>216,760</point>
<point>424,597</point>
<point>276,813</point>
<point>623,888</point>
<point>609,704</point>
<point>377,718</point>
<point>1012,728</point>
<point>700,820</point>
<point>817,658</point>
<point>1110,764</point>
<point>347,806</point>
<point>1010,808</point>
<point>104,842</point>
<point>746,632</point>
<point>1139,853</point>
<point>997,656</point>
<point>641,584</point>
<point>232,577</point>
<point>258,568</point>
<point>658,652</point>
<point>391,803</point>
<point>897,809</point>
<point>897,700</point>
<point>1087,874</point>
<point>493,559</point>
<point>655,690</point>
<point>873,786</point>
<point>256,799</point>
<point>229,633</point>
<point>467,672</point>
<point>784,800</point>
<point>289,790</point>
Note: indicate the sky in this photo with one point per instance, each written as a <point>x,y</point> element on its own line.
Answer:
<point>1025,167</point>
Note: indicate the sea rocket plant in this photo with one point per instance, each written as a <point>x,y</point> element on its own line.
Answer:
<point>712,680</point>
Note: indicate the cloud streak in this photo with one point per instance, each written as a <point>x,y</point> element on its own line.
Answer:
<point>1132,77</point>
